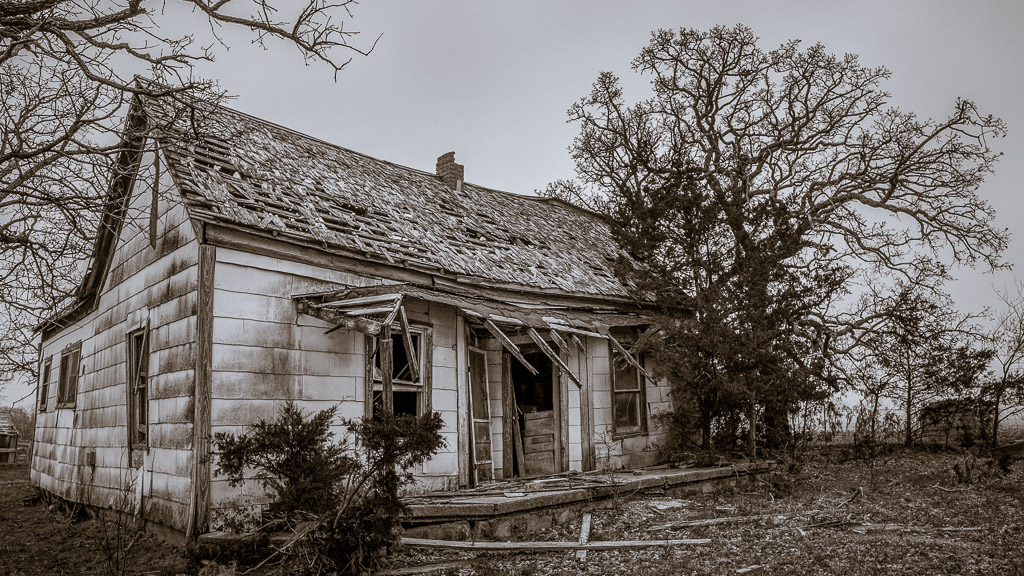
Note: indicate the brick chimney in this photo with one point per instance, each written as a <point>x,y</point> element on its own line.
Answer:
<point>448,171</point>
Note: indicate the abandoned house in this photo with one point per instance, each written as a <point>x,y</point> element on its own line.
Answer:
<point>256,265</point>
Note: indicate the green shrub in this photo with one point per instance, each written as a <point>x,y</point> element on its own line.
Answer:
<point>340,498</point>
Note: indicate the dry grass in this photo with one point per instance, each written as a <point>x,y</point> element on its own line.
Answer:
<point>822,531</point>
<point>37,540</point>
<point>972,529</point>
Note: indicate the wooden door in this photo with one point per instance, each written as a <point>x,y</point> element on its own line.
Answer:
<point>481,462</point>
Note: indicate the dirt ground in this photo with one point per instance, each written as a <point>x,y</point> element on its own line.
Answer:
<point>38,540</point>
<point>910,516</point>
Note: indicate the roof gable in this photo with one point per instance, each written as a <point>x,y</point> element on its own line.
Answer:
<point>267,179</point>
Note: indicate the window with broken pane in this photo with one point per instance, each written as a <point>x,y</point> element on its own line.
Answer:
<point>67,387</point>
<point>407,388</point>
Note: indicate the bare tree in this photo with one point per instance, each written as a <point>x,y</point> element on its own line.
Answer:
<point>67,75</point>
<point>1006,389</point>
<point>763,187</point>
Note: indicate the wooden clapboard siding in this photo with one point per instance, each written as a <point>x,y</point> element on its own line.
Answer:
<point>142,281</point>
<point>264,353</point>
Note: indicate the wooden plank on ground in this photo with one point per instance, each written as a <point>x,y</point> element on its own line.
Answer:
<point>581,555</point>
<point>548,546</point>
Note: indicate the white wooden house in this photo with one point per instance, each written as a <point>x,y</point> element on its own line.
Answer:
<point>255,265</point>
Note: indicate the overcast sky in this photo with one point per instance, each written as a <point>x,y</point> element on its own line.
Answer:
<point>492,81</point>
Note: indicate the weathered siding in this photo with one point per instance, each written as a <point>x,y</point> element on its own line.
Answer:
<point>144,282</point>
<point>631,451</point>
<point>265,353</point>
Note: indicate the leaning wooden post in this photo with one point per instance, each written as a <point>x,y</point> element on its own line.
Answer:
<point>386,369</point>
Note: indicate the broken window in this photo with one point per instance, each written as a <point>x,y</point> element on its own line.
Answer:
<point>406,383</point>
<point>67,387</point>
<point>44,388</point>
<point>627,395</point>
<point>137,362</point>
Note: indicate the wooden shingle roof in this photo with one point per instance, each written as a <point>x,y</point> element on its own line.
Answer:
<point>249,173</point>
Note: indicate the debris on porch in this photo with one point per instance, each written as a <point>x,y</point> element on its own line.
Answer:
<point>497,509</point>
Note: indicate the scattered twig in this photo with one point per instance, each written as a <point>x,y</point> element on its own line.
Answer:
<point>856,493</point>
<point>944,489</point>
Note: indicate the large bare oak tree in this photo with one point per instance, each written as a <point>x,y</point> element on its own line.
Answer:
<point>764,188</point>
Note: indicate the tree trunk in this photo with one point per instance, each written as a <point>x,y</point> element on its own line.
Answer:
<point>752,417</point>
<point>995,418</point>
<point>909,427</point>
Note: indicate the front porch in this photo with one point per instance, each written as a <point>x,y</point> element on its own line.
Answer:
<point>497,509</point>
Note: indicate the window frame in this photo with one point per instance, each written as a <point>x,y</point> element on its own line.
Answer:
<point>374,379</point>
<point>137,366</point>
<point>640,391</point>
<point>67,395</point>
<point>44,385</point>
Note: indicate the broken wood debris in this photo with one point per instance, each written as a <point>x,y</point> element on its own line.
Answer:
<point>534,546</point>
<point>725,520</point>
<point>426,568</point>
<point>509,345</point>
<point>581,555</point>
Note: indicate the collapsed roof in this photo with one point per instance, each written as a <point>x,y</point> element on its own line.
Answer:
<point>249,173</point>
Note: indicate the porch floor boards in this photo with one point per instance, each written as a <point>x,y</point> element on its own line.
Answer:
<point>515,496</point>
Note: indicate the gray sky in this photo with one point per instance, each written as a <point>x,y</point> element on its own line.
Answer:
<point>493,81</point>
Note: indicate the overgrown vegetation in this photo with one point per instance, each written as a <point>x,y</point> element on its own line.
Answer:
<point>786,219</point>
<point>338,499</point>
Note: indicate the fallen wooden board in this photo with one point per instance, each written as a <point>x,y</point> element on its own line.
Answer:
<point>717,521</point>
<point>581,555</point>
<point>425,568</point>
<point>547,546</point>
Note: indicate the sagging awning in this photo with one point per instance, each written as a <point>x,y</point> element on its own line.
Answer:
<point>369,309</point>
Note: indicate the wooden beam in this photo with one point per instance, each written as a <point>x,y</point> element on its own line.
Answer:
<point>364,325</point>
<point>559,341</point>
<point>509,345</point>
<point>394,311</point>
<point>581,555</point>
<point>539,341</point>
<point>465,418</point>
<point>377,299</point>
<point>630,358</point>
<point>579,345</point>
<point>410,351</point>
<point>365,311</point>
<point>556,324</point>
<point>547,546</point>
<point>509,419</point>
<point>586,408</point>
<point>386,368</point>
<point>199,500</point>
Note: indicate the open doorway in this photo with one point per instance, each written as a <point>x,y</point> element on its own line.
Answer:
<point>536,396</point>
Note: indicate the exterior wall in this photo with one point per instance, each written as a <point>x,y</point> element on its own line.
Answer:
<point>633,451</point>
<point>157,284</point>
<point>265,353</point>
